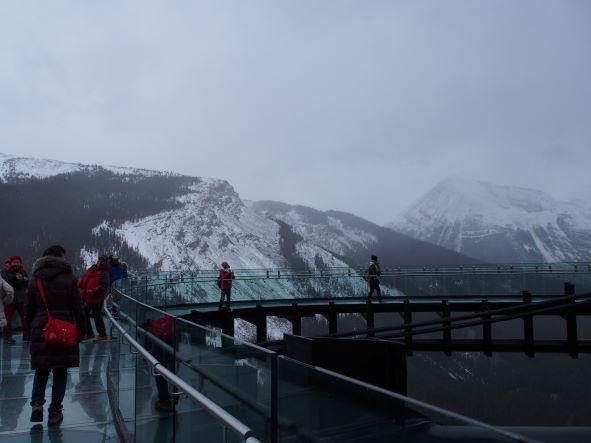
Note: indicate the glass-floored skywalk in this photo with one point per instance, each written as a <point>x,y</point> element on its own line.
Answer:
<point>311,405</point>
<point>266,396</point>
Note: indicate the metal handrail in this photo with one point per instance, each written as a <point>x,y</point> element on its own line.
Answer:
<point>358,274</point>
<point>228,420</point>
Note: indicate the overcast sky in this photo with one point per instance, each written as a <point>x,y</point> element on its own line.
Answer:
<point>360,106</point>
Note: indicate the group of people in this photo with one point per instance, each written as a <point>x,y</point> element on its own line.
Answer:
<point>54,291</point>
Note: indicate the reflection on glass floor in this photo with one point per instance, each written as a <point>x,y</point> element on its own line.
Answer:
<point>87,413</point>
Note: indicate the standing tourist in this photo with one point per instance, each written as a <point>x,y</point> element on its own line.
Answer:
<point>94,288</point>
<point>53,276</point>
<point>373,274</point>
<point>16,276</point>
<point>116,269</point>
<point>225,283</point>
<point>6,297</point>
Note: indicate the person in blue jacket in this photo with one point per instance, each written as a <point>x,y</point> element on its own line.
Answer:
<point>116,270</point>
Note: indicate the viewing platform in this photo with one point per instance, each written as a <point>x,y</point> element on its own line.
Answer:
<point>218,386</point>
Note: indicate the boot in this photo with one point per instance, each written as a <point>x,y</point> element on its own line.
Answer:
<point>37,414</point>
<point>55,418</point>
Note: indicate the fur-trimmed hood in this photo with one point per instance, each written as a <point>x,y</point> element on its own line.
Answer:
<point>49,267</point>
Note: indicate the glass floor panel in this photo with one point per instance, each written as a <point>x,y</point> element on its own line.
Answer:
<point>87,412</point>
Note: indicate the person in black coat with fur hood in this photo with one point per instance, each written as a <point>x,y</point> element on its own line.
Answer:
<point>64,302</point>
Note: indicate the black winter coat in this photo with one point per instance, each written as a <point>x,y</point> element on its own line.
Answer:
<point>19,285</point>
<point>374,272</point>
<point>64,302</point>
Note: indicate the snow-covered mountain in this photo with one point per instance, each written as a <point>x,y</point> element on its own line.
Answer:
<point>166,221</point>
<point>499,223</point>
<point>15,169</point>
<point>350,238</point>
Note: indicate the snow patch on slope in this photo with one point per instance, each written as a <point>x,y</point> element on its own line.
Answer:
<point>23,168</point>
<point>19,168</point>
<point>212,225</point>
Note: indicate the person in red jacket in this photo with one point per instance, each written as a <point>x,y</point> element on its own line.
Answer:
<point>94,288</point>
<point>225,283</point>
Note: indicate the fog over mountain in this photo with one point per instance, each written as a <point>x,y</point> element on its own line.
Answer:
<point>498,223</point>
<point>372,103</point>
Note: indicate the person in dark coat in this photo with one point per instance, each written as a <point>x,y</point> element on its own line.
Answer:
<point>94,288</point>
<point>116,269</point>
<point>225,282</point>
<point>373,278</point>
<point>63,302</point>
<point>16,276</point>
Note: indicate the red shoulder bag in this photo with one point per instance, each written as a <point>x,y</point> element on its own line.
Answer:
<point>58,333</point>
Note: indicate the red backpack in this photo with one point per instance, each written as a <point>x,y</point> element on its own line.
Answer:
<point>162,327</point>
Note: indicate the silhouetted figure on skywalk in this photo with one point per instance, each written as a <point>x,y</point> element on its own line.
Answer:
<point>372,276</point>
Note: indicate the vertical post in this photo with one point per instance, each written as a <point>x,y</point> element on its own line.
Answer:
<point>274,400</point>
<point>528,327</point>
<point>446,330</point>
<point>296,320</point>
<point>227,322</point>
<point>572,338</point>
<point>369,318</point>
<point>261,323</point>
<point>408,329</point>
<point>486,330</point>
<point>332,318</point>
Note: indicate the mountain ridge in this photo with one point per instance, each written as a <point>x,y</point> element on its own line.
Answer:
<point>169,221</point>
<point>499,223</point>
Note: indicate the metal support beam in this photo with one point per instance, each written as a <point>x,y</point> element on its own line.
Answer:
<point>486,330</point>
<point>227,322</point>
<point>261,324</point>
<point>369,318</point>
<point>571,324</point>
<point>332,318</point>
<point>446,331</point>
<point>407,315</point>
<point>296,320</point>
<point>528,327</point>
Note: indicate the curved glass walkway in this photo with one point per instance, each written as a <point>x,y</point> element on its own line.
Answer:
<point>162,378</point>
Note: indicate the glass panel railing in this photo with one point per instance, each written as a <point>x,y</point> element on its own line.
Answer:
<point>502,283</point>
<point>317,405</point>
<point>234,374</point>
<point>154,404</point>
<point>280,399</point>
